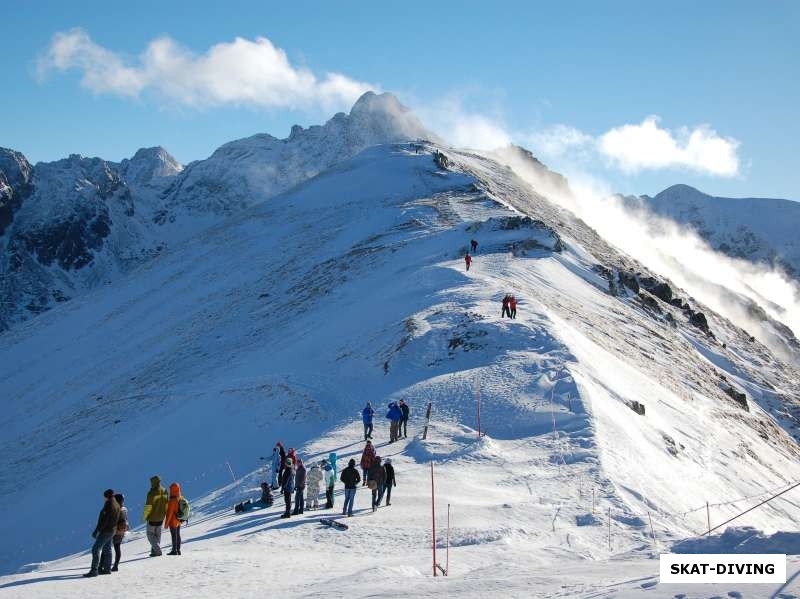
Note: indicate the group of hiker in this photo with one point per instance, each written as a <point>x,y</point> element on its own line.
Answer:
<point>468,257</point>
<point>112,524</point>
<point>290,476</point>
<point>378,475</point>
<point>300,487</point>
<point>509,306</point>
<point>293,478</point>
<point>397,415</point>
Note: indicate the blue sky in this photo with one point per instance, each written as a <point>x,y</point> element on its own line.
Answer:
<point>564,78</point>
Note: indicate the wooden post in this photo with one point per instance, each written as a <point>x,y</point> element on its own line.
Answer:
<point>433,514</point>
<point>231,471</point>
<point>592,500</point>
<point>478,399</point>
<point>447,550</point>
<point>427,421</point>
<point>609,528</point>
<point>652,533</point>
<point>708,519</point>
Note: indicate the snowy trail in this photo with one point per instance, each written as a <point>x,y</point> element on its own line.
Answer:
<point>193,367</point>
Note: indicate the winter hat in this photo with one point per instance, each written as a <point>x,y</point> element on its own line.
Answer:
<point>109,493</point>
<point>289,462</point>
<point>351,463</point>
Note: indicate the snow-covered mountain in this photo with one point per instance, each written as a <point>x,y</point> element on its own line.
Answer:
<point>761,230</point>
<point>614,398</point>
<point>71,225</point>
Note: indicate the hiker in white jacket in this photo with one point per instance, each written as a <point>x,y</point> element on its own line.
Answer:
<point>313,482</point>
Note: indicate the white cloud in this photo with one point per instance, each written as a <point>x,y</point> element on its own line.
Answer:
<point>242,72</point>
<point>461,126</point>
<point>647,146</point>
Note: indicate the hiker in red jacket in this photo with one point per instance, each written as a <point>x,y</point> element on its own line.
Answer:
<point>366,460</point>
<point>512,303</point>
<point>506,302</point>
<point>468,260</point>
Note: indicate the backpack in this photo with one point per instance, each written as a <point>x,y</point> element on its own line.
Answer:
<point>184,509</point>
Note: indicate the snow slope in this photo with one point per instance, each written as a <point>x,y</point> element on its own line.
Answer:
<point>280,322</point>
<point>71,225</point>
<point>761,230</point>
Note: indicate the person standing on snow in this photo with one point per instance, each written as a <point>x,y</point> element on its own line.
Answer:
<point>468,260</point>
<point>287,486</point>
<point>329,477</point>
<point>394,415</point>
<point>367,457</point>
<point>506,302</point>
<point>366,416</point>
<point>299,486</point>
<point>332,461</point>
<point>405,412</point>
<point>390,480</point>
<point>103,535</point>
<point>512,304</point>
<point>282,467</point>
<point>155,509</point>
<point>350,478</point>
<point>376,481</point>
<point>277,460</point>
<point>314,479</point>
<point>292,455</point>
<point>173,517</point>
<point>122,528</point>
<point>474,245</point>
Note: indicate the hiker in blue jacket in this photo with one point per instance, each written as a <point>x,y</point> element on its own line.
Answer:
<point>394,415</point>
<point>366,415</point>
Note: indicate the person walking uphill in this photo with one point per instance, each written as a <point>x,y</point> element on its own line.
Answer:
<point>395,414</point>
<point>376,481</point>
<point>468,260</point>
<point>287,486</point>
<point>506,309</point>
<point>367,457</point>
<point>366,416</point>
<point>155,509</point>
<point>177,514</point>
<point>474,245</point>
<point>390,480</point>
<point>350,478</point>
<point>299,486</point>
<point>403,428</point>
<point>122,528</point>
<point>512,304</point>
<point>103,534</point>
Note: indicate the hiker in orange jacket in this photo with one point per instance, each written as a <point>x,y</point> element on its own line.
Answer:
<point>172,521</point>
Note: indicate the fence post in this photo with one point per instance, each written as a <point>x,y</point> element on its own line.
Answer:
<point>593,501</point>
<point>478,399</point>
<point>231,471</point>
<point>708,519</point>
<point>652,533</point>
<point>433,513</point>
<point>609,528</point>
<point>427,421</point>
<point>447,550</point>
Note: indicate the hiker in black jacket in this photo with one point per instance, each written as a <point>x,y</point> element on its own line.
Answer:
<point>350,477</point>
<point>390,480</point>
<point>376,478</point>
<point>103,535</point>
<point>403,428</point>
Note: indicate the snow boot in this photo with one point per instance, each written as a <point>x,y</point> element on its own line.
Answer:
<point>90,574</point>
<point>115,568</point>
